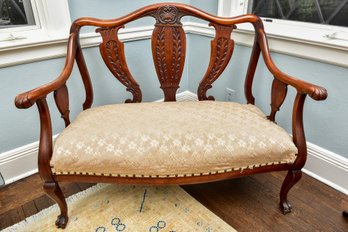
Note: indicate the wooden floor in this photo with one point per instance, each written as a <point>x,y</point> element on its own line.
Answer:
<point>248,204</point>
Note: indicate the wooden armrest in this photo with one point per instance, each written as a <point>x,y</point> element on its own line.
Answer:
<point>27,99</point>
<point>316,92</point>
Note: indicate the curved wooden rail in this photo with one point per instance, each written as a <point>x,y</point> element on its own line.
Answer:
<point>27,99</point>
<point>314,91</point>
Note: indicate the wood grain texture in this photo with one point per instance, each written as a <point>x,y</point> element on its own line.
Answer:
<point>61,97</point>
<point>278,94</point>
<point>27,197</point>
<point>255,54</point>
<point>221,51</point>
<point>112,51</point>
<point>247,204</point>
<point>81,64</point>
<point>168,49</point>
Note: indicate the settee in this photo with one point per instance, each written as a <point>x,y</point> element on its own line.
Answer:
<point>169,142</point>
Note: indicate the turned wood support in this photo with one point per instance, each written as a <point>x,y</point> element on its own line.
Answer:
<point>51,187</point>
<point>298,134</point>
<point>61,97</point>
<point>45,145</point>
<point>291,179</point>
<point>53,190</point>
<point>278,94</point>
<point>295,173</point>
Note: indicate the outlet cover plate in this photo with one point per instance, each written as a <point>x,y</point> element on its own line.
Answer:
<point>229,94</point>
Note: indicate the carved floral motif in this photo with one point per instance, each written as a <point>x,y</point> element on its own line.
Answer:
<point>168,46</point>
<point>161,55</point>
<point>112,51</point>
<point>222,48</point>
<point>168,15</point>
<point>177,53</point>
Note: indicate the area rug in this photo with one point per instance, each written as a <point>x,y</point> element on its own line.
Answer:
<point>104,208</point>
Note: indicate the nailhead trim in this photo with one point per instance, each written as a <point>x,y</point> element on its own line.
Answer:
<point>241,169</point>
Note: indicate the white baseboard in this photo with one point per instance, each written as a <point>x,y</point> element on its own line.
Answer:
<point>322,164</point>
<point>19,163</point>
<point>327,167</point>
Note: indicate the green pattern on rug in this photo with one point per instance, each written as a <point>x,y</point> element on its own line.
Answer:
<point>105,208</point>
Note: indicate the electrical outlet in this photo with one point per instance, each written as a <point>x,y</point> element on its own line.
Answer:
<point>229,94</point>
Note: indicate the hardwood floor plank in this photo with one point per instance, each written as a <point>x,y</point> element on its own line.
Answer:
<point>247,204</point>
<point>69,189</point>
<point>254,203</point>
<point>20,192</point>
<point>43,202</point>
<point>29,209</point>
<point>11,217</point>
<point>84,186</point>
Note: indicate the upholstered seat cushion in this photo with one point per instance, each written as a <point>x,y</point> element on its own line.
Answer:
<point>169,139</point>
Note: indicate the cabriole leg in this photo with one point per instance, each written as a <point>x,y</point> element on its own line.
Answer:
<point>53,190</point>
<point>291,179</point>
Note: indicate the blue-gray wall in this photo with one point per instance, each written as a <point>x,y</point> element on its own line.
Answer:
<point>325,122</point>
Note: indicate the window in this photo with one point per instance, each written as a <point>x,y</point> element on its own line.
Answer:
<point>305,28</point>
<point>323,21</point>
<point>15,13</point>
<point>32,30</point>
<point>330,12</point>
<point>30,22</point>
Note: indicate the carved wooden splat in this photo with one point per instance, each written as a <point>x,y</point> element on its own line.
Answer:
<point>61,97</point>
<point>221,52</point>
<point>278,94</point>
<point>168,49</point>
<point>112,51</point>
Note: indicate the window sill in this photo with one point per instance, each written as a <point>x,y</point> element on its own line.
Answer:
<point>332,51</point>
<point>54,47</point>
<point>45,48</point>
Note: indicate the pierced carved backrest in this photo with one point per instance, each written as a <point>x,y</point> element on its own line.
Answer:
<point>168,48</point>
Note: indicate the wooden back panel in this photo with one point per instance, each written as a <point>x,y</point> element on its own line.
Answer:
<point>168,49</point>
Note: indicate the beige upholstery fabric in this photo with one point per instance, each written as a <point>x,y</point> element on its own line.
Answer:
<point>172,138</point>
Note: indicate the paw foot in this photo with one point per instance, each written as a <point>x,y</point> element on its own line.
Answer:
<point>285,207</point>
<point>61,221</point>
<point>345,214</point>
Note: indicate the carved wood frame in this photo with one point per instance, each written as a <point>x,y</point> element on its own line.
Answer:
<point>168,48</point>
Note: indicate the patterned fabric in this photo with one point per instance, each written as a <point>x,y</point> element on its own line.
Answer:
<point>170,138</point>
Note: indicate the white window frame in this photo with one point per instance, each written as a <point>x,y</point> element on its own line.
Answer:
<point>6,32</point>
<point>308,40</point>
<point>52,18</point>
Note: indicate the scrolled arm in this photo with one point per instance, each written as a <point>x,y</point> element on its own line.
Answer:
<point>316,92</point>
<point>27,99</point>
